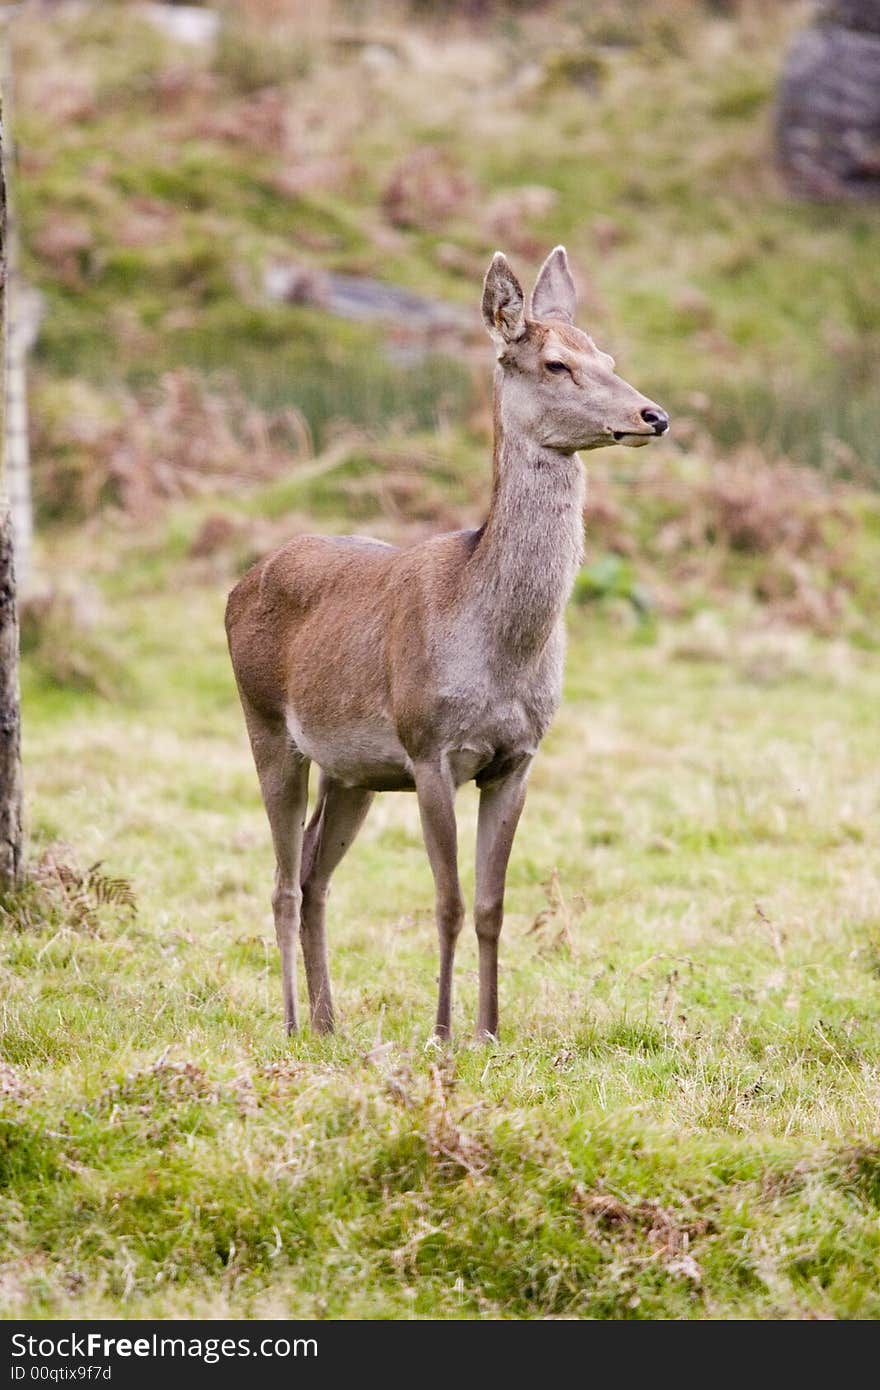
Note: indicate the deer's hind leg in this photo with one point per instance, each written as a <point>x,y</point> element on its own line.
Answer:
<point>284,781</point>
<point>338,816</point>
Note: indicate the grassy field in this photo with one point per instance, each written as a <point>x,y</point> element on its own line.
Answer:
<point>680,1119</point>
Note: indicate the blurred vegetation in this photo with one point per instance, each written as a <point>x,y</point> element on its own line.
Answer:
<point>161,182</point>
<point>158,181</point>
<point>681,1119</point>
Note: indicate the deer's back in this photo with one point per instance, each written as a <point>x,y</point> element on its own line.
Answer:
<point>317,622</point>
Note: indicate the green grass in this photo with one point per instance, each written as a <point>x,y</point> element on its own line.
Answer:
<point>680,1118</point>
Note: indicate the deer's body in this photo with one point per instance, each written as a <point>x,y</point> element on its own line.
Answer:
<point>449,649</point>
<point>420,669</point>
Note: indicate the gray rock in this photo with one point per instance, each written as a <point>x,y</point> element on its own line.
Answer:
<point>828,113</point>
<point>360,298</point>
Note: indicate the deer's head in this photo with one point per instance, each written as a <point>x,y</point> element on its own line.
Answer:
<point>557,388</point>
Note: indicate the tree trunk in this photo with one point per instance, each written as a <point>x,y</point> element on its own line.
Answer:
<point>21,323</point>
<point>10,750</point>
<point>10,719</point>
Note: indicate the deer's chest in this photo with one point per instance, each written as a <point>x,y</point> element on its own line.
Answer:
<point>496,713</point>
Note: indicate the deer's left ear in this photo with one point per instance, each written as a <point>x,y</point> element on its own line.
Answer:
<point>554,295</point>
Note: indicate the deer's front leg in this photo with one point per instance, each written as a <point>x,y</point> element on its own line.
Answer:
<point>501,805</point>
<point>436,793</point>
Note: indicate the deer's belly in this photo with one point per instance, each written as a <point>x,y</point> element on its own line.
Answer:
<point>369,754</point>
<point>358,754</point>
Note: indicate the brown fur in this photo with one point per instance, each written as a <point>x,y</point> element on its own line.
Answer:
<point>431,666</point>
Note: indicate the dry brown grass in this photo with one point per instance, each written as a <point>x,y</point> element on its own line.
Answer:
<point>635,1223</point>
<point>784,534</point>
<point>261,121</point>
<point>187,436</point>
<point>426,189</point>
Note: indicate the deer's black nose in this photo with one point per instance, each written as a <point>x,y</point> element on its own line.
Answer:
<point>657,418</point>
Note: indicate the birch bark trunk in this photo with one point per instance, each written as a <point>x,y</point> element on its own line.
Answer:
<point>10,716</point>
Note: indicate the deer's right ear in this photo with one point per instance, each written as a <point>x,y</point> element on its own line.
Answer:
<point>554,295</point>
<point>504,306</point>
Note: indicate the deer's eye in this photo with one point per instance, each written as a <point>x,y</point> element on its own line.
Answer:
<point>557,367</point>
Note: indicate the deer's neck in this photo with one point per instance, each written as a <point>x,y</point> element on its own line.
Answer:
<point>523,569</point>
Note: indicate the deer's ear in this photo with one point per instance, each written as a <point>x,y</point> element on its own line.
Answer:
<point>554,295</point>
<point>504,307</point>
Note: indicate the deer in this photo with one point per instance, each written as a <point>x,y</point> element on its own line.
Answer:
<point>425,667</point>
